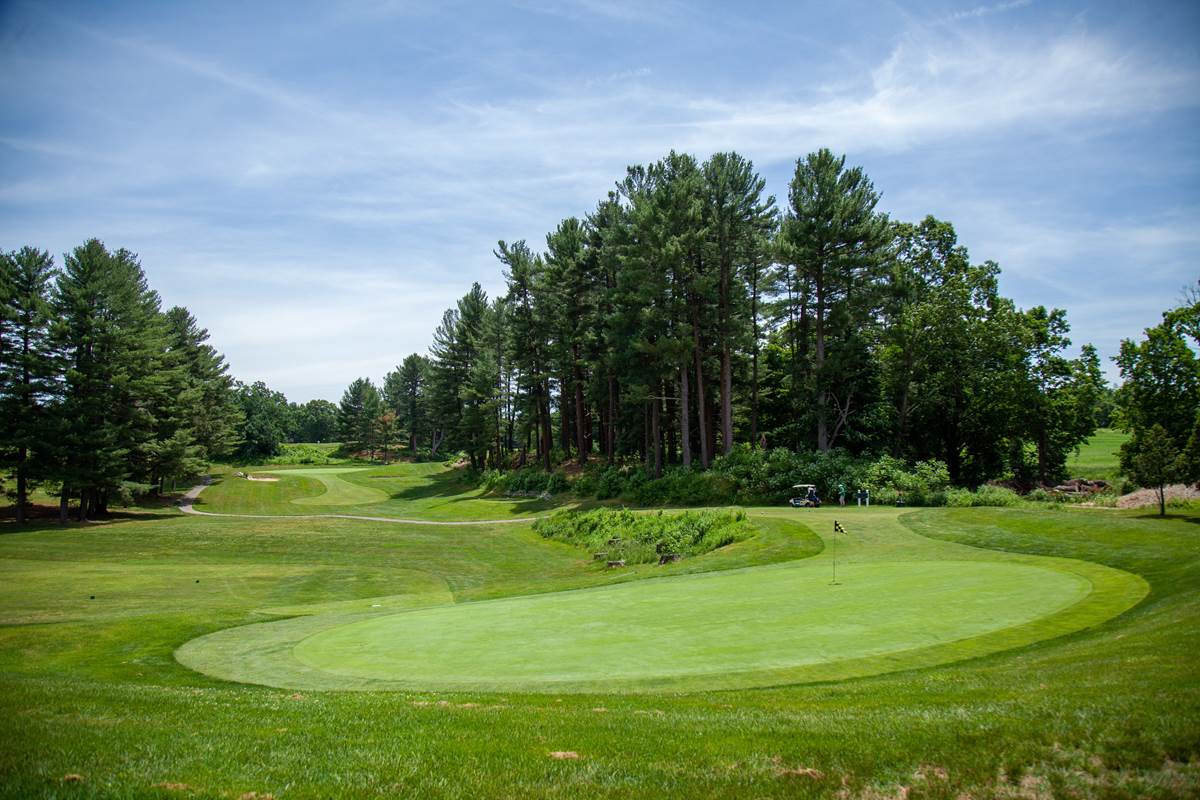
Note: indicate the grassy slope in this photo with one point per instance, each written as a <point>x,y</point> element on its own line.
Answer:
<point>90,687</point>
<point>1097,457</point>
<point>429,491</point>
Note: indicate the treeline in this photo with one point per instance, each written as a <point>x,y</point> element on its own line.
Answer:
<point>102,392</point>
<point>687,313</point>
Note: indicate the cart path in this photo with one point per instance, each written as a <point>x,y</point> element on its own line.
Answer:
<point>187,507</point>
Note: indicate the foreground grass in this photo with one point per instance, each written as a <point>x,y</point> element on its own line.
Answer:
<point>89,688</point>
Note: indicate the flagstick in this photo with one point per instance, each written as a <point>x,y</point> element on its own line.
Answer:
<point>833,552</point>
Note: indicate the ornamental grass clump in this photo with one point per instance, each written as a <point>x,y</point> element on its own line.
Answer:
<point>644,538</point>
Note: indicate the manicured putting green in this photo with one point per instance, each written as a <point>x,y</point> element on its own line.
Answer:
<point>337,492</point>
<point>755,620</point>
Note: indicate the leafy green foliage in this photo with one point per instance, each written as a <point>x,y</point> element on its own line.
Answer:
<point>1151,459</point>
<point>890,479</point>
<point>1161,380</point>
<point>314,421</point>
<point>265,418</point>
<point>522,482</point>
<point>643,538</point>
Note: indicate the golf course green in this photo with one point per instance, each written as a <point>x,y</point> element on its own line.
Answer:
<point>899,600</point>
<point>699,625</point>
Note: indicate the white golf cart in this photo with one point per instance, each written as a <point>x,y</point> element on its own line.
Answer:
<point>806,496</point>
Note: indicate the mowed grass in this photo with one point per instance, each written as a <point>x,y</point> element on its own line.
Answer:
<point>426,491</point>
<point>701,626</point>
<point>900,600</point>
<point>1098,457</point>
<point>90,688</point>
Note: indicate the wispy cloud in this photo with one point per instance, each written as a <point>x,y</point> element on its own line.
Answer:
<point>288,179</point>
<point>983,11</point>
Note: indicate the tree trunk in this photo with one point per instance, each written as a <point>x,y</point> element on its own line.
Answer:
<point>580,438</point>
<point>818,367</point>
<point>548,425</point>
<point>726,401</point>
<point>685,427</point>
<point>754,360</point>
<point>564,414</point>
<point>611,437</point>
<point>64,497</point>
<point>655,436</point>
<point>701,406</point>
<point>22,454</point>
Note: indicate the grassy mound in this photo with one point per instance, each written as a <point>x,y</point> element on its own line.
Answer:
<point>643,538</point>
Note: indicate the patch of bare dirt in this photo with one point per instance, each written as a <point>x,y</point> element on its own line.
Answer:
<point>1149,497</point>
<point>171,786</point>
<point>72,777</point>
<point>564,754</point>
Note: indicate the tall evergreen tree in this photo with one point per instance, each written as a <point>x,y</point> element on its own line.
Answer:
<point>110,328</point>
<point>29,364</point>
<point>836,239</point>
<point>358,417</point>
<point>406,393</point>
<point>740,217</point>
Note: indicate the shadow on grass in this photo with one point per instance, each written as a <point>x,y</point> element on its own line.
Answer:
<point>40,518</point>
<point>443,484</point>
<point>1174,516</point>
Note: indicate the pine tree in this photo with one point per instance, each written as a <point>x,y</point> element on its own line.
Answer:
<point>29,364</point>
<point>739,221</point>
<point>528,337</point>
<point>405,393</point>
<point>358,417</point>
<point>211,412</point>
<point>835,238</point>
<point>109,326</point>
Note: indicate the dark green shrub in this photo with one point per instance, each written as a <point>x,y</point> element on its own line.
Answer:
<point>642,538</point>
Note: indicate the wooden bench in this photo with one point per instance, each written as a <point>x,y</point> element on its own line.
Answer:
<point>617,563</point>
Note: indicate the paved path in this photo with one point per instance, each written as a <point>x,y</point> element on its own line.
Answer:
<point>186,507</point>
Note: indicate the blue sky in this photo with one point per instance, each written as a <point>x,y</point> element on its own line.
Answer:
<point>317,182</point>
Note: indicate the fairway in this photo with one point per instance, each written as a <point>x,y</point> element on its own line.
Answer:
<point>338,492</point>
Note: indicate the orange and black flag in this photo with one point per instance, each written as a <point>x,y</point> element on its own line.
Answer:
<point>837,527</point>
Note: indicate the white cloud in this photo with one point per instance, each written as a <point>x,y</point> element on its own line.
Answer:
<point>383,212</point>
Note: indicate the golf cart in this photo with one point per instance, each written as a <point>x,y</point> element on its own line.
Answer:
<point>807,496</point>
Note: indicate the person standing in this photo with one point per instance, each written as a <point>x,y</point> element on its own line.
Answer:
<point>841,494</point>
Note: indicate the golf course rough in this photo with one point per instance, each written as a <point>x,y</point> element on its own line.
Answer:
<point>901,601</point>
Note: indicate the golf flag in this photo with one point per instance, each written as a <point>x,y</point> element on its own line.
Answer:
<point>837,527</point>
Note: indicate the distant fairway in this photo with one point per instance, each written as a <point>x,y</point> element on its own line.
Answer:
<point>338,492</point>
<point>1098,457</point>
<point>418,491</point>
